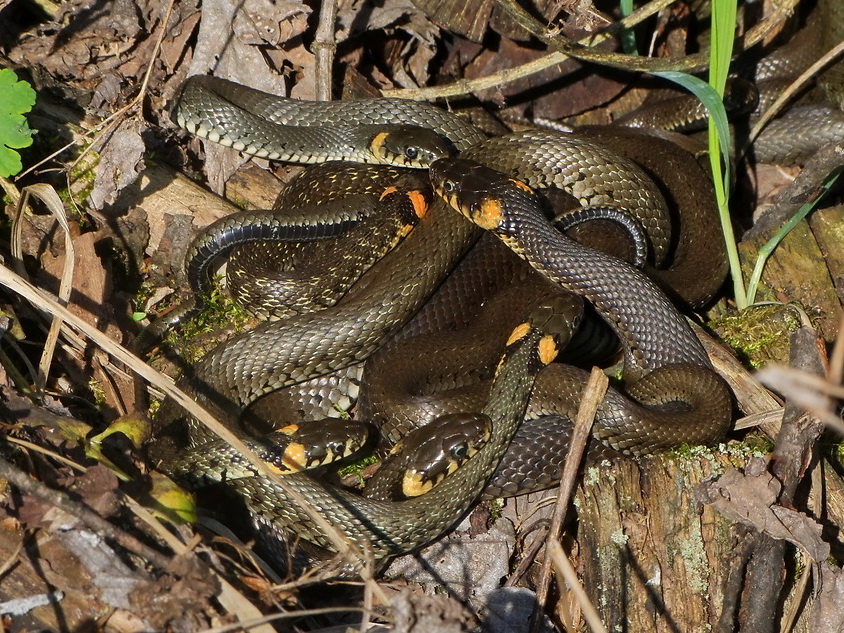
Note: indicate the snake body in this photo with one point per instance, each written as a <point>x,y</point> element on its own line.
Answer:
<point>391,528</point>
<point>284,353</point>
<point>364,131</point>
<point>279,275</point>
<point>660,374</point>
<point>795,135</point>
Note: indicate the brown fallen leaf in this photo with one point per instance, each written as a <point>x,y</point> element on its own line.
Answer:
<point>827,614</point>
<point>121,160</point>
<point>237,57</point>
<point>752,499</point>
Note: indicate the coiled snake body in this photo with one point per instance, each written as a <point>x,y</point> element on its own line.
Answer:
<point>391,528</point>
<point>279,354</point>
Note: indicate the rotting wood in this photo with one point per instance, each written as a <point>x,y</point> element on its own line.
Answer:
<point>796,272</point>
<point>828,228</point>
<point>652,558</point>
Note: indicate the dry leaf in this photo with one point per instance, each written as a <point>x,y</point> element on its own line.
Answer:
<point>752,500</point>
<point>121,160</point>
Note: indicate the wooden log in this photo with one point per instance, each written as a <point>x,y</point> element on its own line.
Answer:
<point>796,272</point>
<point>652,557</point>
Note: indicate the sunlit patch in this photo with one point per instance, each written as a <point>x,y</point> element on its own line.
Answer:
<point>518,333</point>
<point>523,186</point>
<point>414,484</point>
<point>488,215</point>
<point>548,349</point>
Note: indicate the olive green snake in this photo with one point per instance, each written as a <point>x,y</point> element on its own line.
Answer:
<point>283,353</point>
<point>391,528</point>
<point>251,365</point>
<point>667,376</point>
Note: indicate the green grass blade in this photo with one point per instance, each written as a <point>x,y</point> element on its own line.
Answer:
<point>627,36</point>
<point>713,101</point>
<point>769,246</point>
<point>711,95</point>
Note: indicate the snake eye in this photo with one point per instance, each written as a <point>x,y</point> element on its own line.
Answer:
<point>449,186</point>
<point>459,451</point>
<point>411,152</point>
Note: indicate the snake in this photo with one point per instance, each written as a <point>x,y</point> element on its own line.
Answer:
<point>801,130</point>
<point>283,353</point>
<point>658,346</point>
<point>366,131</point>
<point>674,379</point>
<point>391,528</point>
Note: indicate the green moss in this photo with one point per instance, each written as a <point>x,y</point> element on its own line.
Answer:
<point>357,467</point>
<point>496,507</point>
<point>82,179</point>
<point>220,312</point>
<point>737,452</point>
<point>759,334</point>
<point>97,391</point>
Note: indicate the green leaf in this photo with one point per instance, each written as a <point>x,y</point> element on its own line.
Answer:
<point>16,100</point>
<point>711,100</point>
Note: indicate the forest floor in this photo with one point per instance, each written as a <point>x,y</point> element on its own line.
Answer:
<point>82,546</point>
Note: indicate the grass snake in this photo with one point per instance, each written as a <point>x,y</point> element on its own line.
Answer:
<point>283,353</point>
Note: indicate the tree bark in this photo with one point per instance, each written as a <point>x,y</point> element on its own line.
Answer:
<point>652,557</point>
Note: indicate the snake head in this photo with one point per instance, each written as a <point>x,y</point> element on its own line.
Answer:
<point>552,324</point>
<point>312,443</point>
<point>478,192</point>
<point>408,146</point>
<point>438,449</point>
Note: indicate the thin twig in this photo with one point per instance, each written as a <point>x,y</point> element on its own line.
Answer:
<point>108,124</point>
<point>698,61</point>
<point>17,284</point>
<point>567,576</point>
<point>229,597</point>
<point>836,359</point>
<point>806,391</point>
<point>324,47</point>
<point>47,194</point>
<point>248,624</point>
<point>94,521</point>
<point>794,87</point>
<point>7,565</point>
<point>593,394</point>
<point>46,451</point>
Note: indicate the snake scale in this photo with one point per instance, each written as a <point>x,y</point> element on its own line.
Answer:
<point>656,341</point>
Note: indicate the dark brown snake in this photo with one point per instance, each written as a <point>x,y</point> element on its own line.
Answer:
<point>250,365</point>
